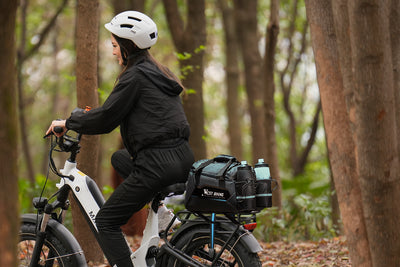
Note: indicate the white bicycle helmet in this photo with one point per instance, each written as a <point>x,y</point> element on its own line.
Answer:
<point>134,26</point>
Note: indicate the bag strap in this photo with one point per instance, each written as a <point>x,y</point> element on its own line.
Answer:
<point>220,158</point>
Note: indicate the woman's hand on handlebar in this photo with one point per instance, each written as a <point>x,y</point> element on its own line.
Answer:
<point>57,123</point>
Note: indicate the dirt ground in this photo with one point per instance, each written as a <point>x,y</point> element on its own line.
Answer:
<point>324,253</point>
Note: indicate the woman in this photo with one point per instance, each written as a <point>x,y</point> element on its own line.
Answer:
<point>145,103</point>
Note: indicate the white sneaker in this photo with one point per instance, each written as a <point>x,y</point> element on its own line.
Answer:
<point>164,218</point>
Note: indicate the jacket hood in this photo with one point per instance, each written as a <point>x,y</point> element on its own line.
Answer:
<point>159,79</point>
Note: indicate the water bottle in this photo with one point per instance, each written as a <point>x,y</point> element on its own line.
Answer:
<point>263,185</point>
<point>245,187</point>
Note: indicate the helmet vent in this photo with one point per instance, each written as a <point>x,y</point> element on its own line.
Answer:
<point>152,35</point>
<point>134,18</point>
<point>126,26</point>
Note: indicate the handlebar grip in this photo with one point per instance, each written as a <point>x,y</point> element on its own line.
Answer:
<point>58,129</point>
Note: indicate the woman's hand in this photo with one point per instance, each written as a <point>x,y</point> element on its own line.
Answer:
<point>55,123</point>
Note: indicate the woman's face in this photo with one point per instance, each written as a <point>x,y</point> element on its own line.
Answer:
<point>116,50</point>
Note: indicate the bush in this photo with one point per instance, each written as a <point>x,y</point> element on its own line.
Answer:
<point>303,217</point>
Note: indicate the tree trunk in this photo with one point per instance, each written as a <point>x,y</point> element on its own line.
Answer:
<point>367,166</point>
<point>341,147</point>
<point>269,101</point>
<point>190,40</point>
<point>375,127</point>
<point>87,21</point>
<point>123,5</point>
<point>395,43</point>
<point>247,32</point>
<point>55,94</point>
<point>21,99</point>
<point>232,81</point>
<point>8,136</point>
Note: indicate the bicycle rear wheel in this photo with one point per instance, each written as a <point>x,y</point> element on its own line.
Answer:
<point>197,247</point>
<point>53,253</point>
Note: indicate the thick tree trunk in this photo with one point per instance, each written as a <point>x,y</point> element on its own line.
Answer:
<point>191,39</point>
<point>247,32</point>
<point>375,127</point>
<point>364,54</point>
<point>232,81</point>
<point>341,147</point>
<point>269,101</point>
<point>8,136</point>
<point>86,83</point>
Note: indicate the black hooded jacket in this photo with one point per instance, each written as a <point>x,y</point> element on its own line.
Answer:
<point>145,103</point>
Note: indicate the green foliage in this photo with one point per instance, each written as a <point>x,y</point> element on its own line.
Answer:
<point>190,91</point>
<point>199,49</point>
<point>107,191</point>
<point>183,56</point>
<point>28,191</point>
<point>302,218</point>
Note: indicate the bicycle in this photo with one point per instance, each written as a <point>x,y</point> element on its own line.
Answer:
<point>203,239</point>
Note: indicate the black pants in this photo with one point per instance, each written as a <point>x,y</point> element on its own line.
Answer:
<point>151,170</point>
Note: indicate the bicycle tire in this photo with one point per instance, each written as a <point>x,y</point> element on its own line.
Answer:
<point>196,246</point>
<point>60,255</point>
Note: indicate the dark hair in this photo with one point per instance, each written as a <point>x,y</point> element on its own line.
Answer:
<point>130,51</point>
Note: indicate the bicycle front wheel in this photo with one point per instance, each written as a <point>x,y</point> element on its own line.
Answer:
<point>198,247</point>
<point>53,253</point>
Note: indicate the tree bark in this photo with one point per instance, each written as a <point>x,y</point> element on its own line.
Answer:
<point>123,5</point>
<point>247,32</point>
<point>232,80</point>
<point>395,44</point>
<point>375,127</point>
<point>341,147</point>
<point>87,21</point>
<point>8,136</point>
<point>55,94</point>
<point>269,101</point>
<point>190,39</point>
<point>363,149</point>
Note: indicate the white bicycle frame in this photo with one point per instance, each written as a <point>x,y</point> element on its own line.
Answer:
<point>84,196</point>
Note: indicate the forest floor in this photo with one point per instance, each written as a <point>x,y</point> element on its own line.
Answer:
<point>323,253</point>
<point>326,252</point>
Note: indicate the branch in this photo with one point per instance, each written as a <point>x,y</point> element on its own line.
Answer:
<point>291,30</point>
<point>45,32</point>
<point>311,140</point>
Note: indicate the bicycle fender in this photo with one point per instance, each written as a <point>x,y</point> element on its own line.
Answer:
<point>62,234</point>
<point>247,238</point>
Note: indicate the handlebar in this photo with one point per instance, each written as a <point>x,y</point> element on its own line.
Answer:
<point>66,142</point>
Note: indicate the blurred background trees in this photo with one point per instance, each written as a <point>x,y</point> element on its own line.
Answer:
<point>251,91</point>
<point>194,41</point>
